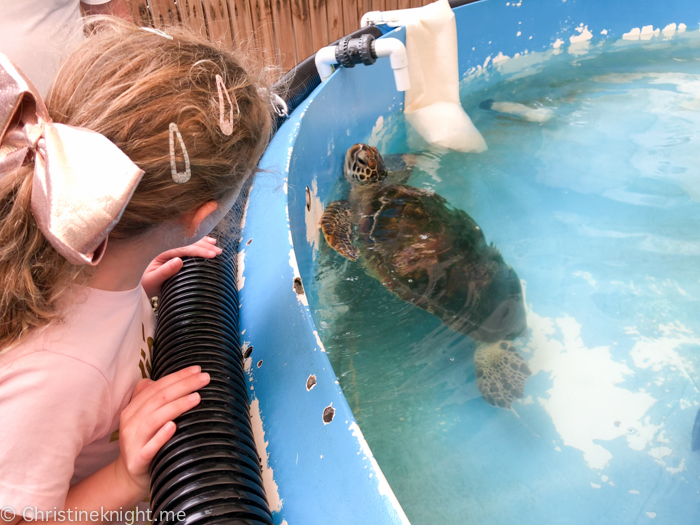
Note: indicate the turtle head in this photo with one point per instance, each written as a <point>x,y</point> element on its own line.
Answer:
<point>364,165</point>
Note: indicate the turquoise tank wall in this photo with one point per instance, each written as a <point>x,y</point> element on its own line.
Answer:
<point>322,471</point>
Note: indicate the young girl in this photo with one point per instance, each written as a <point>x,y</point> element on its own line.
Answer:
<point>181,126</point>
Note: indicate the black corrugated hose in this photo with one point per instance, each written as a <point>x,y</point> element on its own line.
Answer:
<point>209,472</point>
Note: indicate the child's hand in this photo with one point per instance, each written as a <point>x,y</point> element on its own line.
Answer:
<point>169,263</point>
<point>147,421</point>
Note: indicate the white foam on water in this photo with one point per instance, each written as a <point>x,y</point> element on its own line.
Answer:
<point>586,276</point>
<point>585,402</point>
<point>678,469</point>
<point>659,353</point>
<point>659,453</point>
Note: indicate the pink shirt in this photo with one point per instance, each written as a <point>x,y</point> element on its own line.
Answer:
<point>61,393</point>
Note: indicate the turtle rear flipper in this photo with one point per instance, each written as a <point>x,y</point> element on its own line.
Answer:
<point>501,373</point>
<point>337,229</point>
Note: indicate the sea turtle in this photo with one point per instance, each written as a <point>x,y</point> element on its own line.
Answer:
<point>435,257</point>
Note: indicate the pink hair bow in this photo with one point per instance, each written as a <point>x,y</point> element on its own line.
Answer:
<point>82,181</point>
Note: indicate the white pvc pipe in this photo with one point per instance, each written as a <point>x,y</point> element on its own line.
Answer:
<point>390,18</point>
<point>385,47</point>
<point>396,51</point>
<point>325,59</point>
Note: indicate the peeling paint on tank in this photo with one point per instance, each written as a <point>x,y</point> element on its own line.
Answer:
<point>383,484</point>
<point>289,161</point>
<point>377,132</point>
<point>580,42</point>
<point>500,58</point>
<point>247,364</point>
<point>313,216</point>
<point>648,32</point>
<point>311,382</point>
<point>301,297</point>
<point>584,35</point>
<point>669,31</point>
<point>633,34</point>
<point>269,484</point>
<point>318,340</point>
<point>328,414</point>
<point>240,278</point>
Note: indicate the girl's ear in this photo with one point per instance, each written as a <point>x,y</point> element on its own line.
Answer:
<point>195,218</point>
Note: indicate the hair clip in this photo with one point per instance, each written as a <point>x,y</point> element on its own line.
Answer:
<point>180,177</point>
<point>278,104</point>
<point>225,125</point>
<point>157,32</point>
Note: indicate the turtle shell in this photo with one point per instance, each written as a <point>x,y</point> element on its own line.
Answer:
<point>436,257</point>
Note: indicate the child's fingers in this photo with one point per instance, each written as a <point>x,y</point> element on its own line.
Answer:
<point>199,249</point>
<point>166,271</point>
<point>141,386</point>
<point>170,411</point>
<point>202,249</point>
<point>173,392</point>
<point>153,387</point>
<point>150,449</point>
<point>205,247</point>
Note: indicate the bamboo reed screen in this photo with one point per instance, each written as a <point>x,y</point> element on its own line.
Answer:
<point>280,32</point>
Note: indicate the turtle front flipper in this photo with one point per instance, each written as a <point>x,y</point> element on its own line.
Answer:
<point>400,167</point>
<point>337,229</point>
<point>501,373</point>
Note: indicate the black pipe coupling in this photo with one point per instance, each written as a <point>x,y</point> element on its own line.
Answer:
<point>352,51</point>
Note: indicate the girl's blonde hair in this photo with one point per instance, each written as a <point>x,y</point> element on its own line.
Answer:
<point>130,84</point>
